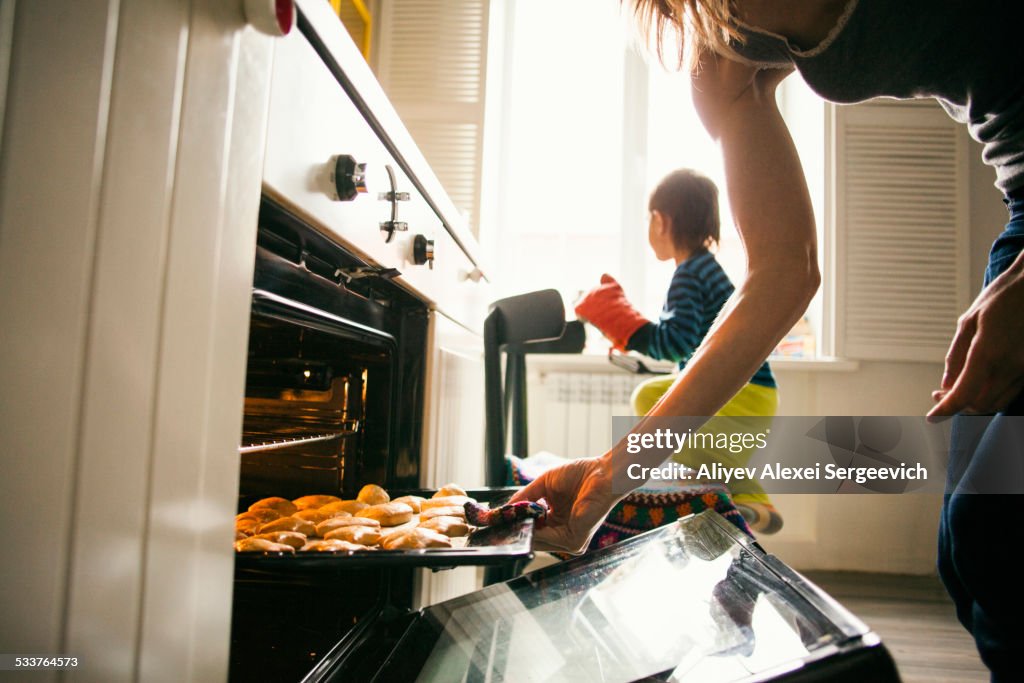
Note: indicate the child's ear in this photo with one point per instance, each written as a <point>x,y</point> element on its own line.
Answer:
<point>658,220</point>
<point>662,223</point>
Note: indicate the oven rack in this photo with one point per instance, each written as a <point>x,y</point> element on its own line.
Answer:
<point>256,446</point>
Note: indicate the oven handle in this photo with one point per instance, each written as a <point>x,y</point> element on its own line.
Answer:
<point>272,305</point>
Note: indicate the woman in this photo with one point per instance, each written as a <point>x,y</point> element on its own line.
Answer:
<point>969,57</point>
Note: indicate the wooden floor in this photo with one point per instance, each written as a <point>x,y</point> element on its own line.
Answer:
<point>914,618</point>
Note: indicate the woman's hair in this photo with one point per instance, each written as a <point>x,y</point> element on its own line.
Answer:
<point>690,201</point>
<point>710,25</point>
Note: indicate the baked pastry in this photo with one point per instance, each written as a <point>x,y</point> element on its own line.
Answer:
<point>388,514</point>
<point>261,545</point>
<point>247,527</point>
<point>365,535</point>
<point>349,506</point>
<point>371,494</point>
<point>239,534</point>
<point>313,502</point>
<point>450,526</point>
<point>446,511</point>
<point>283,506</point>
<point>417,538</point>
<point>261,515</point>
<point>444,501</point>
<point>333,523</point>
<point>450,490</point>
<point>330,545</point>
<point>288,524</point>
<point>317,516</point>
<point>412,501</point>
<point>292,538</point>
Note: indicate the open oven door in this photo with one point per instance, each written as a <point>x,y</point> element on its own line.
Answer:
<point>692,601</point>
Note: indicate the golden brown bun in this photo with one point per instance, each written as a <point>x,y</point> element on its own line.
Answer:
<point>366,535</point>
<point>452,527</point>
<point>417,538</point>
<point>247,526</point>
<point>292,538</point>
<point>330,545</point>
<point>412,501</point>
<point>444,501</point>
<point>315,501</point>
<point>289,524</point>
<point>261,515</point>
<point>449,511</point>
<point>388,514</point>
<point>450,490</point>
<point>333,523</point>
<point>261,545</point>
<point>317,516</point>
<point>349,506</point>
<point>371,494</point>
<point>282,505</point>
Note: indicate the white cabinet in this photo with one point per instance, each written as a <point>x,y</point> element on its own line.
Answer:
<point>133,144</point>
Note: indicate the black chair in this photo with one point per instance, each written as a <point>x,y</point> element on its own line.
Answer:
<point>517,326</point>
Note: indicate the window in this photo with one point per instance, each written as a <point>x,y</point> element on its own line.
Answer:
<point>548,132</point>
<point>587,129</point>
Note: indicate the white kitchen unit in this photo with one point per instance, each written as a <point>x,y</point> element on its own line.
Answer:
<point>139,140</point>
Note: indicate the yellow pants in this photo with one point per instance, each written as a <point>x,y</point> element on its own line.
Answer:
<point>753,401</point>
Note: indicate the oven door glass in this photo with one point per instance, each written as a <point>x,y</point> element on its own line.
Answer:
<point>694,601</point>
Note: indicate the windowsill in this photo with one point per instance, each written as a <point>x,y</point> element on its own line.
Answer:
<point>819,364</point>
<point>598,362</point>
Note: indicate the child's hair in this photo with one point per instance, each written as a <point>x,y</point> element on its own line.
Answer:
<point>690,201</point>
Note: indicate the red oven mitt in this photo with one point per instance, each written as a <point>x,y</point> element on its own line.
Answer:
<point>607,308</point>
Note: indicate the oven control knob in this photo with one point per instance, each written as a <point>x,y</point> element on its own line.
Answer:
<point>349,177</point>
<point>423,251</point>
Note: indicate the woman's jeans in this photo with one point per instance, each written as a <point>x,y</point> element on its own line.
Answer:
<point>983,508</point>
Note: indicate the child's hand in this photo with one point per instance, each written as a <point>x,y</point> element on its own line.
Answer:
<point>607,308</point>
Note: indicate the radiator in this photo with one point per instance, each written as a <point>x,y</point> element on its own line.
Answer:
<point>570,413</point>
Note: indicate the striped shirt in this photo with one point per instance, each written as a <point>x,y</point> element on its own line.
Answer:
<point>697,293</point>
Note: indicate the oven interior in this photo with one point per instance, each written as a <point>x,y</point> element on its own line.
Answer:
<point>316,410</point>
<point>333,400</point>
<point>334,384</point>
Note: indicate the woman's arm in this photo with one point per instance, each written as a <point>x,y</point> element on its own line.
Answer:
<point>772,209</point>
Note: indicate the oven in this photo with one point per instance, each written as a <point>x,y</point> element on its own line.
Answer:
<point>335,399</point>
<point>364,365</point>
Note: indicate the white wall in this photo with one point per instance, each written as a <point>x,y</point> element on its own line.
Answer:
<point>876,533</point>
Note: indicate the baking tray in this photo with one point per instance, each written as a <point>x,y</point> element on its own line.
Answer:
<point>486,546</point>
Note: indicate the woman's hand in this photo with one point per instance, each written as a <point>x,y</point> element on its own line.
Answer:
<point>985,362</point>
<point>580,495</point>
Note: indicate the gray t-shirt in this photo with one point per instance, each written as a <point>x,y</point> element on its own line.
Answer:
<point>967,55</point>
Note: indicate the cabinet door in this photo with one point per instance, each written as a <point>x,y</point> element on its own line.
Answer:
<point>454,436</point>
<point>454,424</point>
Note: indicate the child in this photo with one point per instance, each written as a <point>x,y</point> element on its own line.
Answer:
<point>683,225</point>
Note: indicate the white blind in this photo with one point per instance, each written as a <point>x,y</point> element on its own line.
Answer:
<point>900,230</point>
<point>431,58</point>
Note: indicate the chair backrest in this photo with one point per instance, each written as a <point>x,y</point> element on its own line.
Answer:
<point>517,325</point>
